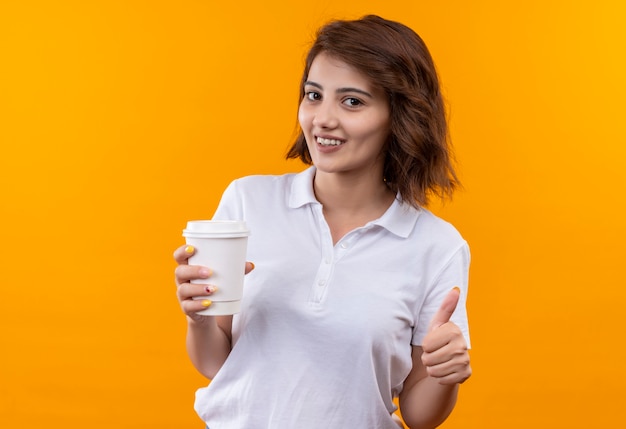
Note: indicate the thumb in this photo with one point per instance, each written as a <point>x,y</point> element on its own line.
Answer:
<point>249,266</point>
<point>446,309</point>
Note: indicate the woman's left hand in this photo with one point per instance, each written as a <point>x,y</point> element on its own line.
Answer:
<point>445,356</point>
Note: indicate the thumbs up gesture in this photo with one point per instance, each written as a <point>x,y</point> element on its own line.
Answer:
<point>445,353</point>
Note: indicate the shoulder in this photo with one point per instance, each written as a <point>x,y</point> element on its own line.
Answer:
<point>267,191</point>
<point>430,225</point>
<point>261,185</point>
<point>437,237</point>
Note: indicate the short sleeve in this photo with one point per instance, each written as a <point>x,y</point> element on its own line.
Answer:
<point>455,273</point>
<point>231,204</point>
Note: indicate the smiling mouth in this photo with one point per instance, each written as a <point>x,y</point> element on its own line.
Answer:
<point>328,142</point>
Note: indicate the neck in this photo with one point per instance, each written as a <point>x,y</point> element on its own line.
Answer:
<point>350,202</point>
<point>350,194</point>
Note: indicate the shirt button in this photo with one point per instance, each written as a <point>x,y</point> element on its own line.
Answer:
<point>344,245</point>
<point>321,282</point>
<point>327,261</point>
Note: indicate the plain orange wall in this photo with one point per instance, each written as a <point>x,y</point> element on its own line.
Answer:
<point>120,120</point>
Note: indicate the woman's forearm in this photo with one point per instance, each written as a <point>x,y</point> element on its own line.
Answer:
<point>208,346</point>
<point>427,403</point>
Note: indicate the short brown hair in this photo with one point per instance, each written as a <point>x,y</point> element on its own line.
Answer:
<point>418,158</point>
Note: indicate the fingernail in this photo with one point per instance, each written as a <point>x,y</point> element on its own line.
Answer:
<point>205,272</point>
<point>210,288</point>
<point>252,263</point>
<point>206,303</point>
<point>189,250</point>
<point>456,288</point>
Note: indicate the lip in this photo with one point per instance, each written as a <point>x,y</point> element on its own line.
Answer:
<point>327,136</point>
<point>328,149</point>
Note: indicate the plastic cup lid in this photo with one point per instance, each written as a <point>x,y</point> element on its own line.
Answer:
<point>231,228</point>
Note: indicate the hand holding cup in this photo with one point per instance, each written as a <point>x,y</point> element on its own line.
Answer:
<point>211,268</point>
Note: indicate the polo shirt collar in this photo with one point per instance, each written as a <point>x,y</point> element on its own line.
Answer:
<point>302,189</point>
<point>399,219</point>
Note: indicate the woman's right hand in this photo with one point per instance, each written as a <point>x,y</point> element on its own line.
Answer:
<point>186,290</point>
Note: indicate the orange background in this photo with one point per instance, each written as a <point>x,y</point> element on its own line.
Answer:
<point>120,120</point>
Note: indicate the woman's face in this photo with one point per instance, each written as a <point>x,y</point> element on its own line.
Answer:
<point>344,117</point>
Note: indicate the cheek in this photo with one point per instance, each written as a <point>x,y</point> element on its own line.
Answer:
<point>380,127</point>
<point>303,116</point>
<point>372,129</point>
<point>304,119</point>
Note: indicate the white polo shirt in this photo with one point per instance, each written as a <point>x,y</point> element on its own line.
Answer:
<point>324,336</point>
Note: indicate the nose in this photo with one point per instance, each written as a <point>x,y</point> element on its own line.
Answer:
<point>325,115</point>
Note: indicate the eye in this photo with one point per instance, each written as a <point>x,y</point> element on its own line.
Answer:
<point>352,102</point>
<point>312,95</point>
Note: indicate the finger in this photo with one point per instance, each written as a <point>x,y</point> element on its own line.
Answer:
<point>192,306</point>
<point>443,345</point>
<point>452,372</point>
<point>446,309</point>
<point>444,340</point>
<point>454,378</point>
<point>187,291</point>
<point>187,273</point>
<point>249,267</point>
<point>182,254</point>
<point>456,360</point>
<point>441,369</point>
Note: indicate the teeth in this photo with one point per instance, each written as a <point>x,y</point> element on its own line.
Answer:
<point>328,142</point>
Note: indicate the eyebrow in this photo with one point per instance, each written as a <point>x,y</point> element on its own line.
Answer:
<point>340,90</point>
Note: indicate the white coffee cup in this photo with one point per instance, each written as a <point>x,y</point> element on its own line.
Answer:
<point>220,246</point>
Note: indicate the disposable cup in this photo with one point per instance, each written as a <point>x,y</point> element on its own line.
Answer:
<point>220,246</point>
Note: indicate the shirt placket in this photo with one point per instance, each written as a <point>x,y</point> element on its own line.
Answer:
<point>330,255</point>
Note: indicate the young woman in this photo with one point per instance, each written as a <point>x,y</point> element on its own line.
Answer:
<point>358,295</point>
